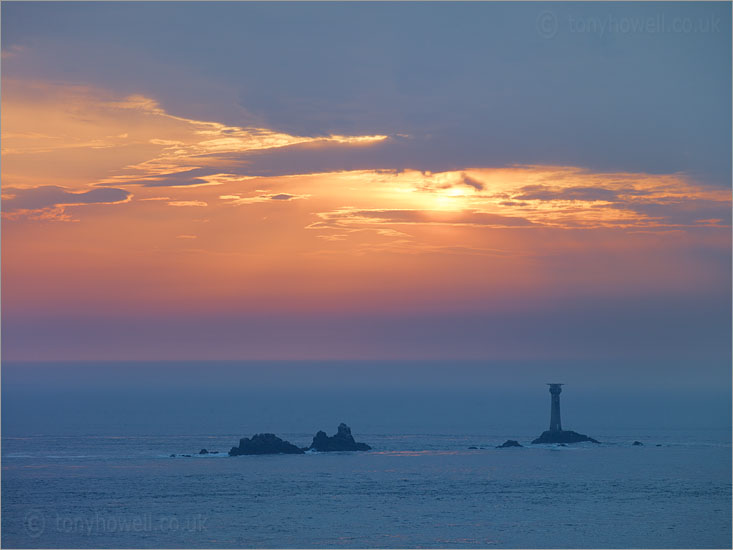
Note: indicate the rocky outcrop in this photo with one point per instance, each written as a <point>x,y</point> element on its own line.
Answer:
<point>509,443</point>
<point>637,444</point>
<point>264,444</point>
<point>342,441</point>
<point>563,436</point>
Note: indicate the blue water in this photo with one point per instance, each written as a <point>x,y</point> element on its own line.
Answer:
<point>89,467</point>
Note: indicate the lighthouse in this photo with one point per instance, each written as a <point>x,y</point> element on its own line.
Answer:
<point>555,424</point>
<point>556,434</point>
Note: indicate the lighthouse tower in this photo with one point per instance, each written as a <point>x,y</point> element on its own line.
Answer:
<point>555,424</point>
<point>556,434</point>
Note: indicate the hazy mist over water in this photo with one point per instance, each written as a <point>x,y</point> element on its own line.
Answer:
<point>427,397</point>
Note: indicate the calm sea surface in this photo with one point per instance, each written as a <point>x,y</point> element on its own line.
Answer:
<point>90,468</point>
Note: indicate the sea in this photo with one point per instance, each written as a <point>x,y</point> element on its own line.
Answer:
<point>86,462</point>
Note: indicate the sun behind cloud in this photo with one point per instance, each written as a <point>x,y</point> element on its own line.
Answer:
<point>171,202</point>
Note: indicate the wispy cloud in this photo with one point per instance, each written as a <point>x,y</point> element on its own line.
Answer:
<point>526,197</point>
<point>262,196</point>
<point>187,203</point>
<point>346,217</point>
<point>74,127</point>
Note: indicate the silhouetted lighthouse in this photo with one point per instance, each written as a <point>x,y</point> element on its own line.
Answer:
<point>555,424</point>
<point>556,434</point>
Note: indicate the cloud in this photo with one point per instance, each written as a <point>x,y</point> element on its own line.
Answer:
<point>174,178</point>
<point>262,197</point>
<point>392,86</point>
<point>187,203</point>
<point>200,147</point>
<point>50,196</point>
<point>573,197</point>
<point>348,216</point>
<point>471,182</point>
<point>589,194</point>
<point>73,128</point>
<point>172,182</point>
<point>685,211</point>
<point>517,197</point>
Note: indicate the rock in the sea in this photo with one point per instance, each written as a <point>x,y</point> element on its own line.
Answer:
<point>342,441</point>
<point>264,444</point>
<point>203,452</point>
<point>509,443</point>
<point>173,456</point>
<point>562,436</point>
<point>473,448</point>
<point>637,444</point>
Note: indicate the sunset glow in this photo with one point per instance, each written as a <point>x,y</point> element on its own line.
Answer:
<point>116,205</point>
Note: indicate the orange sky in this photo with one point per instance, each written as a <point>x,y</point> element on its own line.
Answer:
<point>188,221</point>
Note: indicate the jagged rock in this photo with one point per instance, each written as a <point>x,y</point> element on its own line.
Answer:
<point>203,452</point>
<point>637,444</point>
<point>264,444</point>
<point>342,441</point>
<point>562,436</point>
<point>509,443</point>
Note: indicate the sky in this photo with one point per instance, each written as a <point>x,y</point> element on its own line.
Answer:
<point>480,181</point>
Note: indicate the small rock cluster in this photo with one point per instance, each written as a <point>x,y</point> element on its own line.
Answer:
<point>266,444</point>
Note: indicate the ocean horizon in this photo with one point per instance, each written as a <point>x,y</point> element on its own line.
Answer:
<point>87,462</point>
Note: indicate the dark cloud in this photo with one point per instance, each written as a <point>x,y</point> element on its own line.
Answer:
<point>544,193</point>
<point>48,196</point>
<point>309,158</point>
<point>477,78</point>
<point>684,211</point>
<point>176,179</point>
<point>471,182</point>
